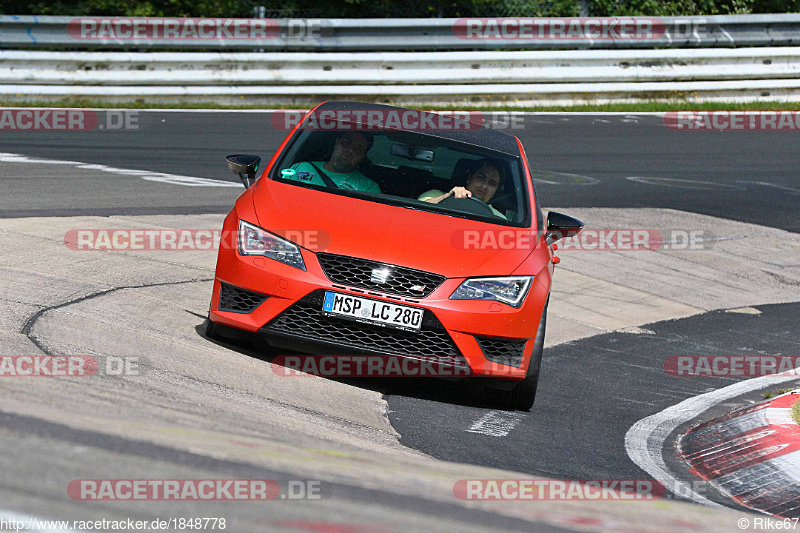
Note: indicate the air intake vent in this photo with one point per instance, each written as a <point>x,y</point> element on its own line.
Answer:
<point>236,300</point>
<point>503,351</point>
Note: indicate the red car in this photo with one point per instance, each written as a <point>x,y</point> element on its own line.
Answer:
<point>381,230</point>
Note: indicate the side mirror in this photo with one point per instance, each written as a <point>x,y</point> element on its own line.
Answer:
<point>244,166</point>
<point>561,226</point>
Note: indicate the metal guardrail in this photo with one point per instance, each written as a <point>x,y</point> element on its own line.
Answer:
<point>334,35</point>
<point>543,77</point>
<point>392,69</point>
<point>404,61</point>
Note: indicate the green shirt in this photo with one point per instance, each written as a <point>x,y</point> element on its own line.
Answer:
<point>433,193</point>
<point>353,181</point>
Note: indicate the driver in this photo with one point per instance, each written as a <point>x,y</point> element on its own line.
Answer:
<point>482,183</point>
<point>342,168</point>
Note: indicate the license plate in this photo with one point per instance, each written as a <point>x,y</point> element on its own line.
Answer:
<point>372,311</point>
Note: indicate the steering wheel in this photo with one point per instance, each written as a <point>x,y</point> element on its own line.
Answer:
<point>471,204</point>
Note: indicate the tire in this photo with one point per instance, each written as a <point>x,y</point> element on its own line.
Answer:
<point>211,330</point>
<point>218,332</point>
<point>523,395</point>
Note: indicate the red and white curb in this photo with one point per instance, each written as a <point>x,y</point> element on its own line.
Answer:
<point>752,455</point>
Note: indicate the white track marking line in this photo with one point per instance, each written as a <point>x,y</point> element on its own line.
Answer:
<point>33,523</point>
<point>496,423</point>
<point>189,181</point>
<point>684,184</point>
<point>790,190</point>
<point>16,158</point>
<point>645,440</point>
<point>163,177</point>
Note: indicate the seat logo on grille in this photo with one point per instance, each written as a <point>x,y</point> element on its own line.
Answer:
<point>379,275</point>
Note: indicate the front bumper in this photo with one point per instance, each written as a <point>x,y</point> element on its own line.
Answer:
<point>284,304</point>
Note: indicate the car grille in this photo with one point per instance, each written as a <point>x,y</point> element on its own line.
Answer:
<point>236,300</point>
<point>306,319</point>
<point>357,272</point>
<point>503,351</point>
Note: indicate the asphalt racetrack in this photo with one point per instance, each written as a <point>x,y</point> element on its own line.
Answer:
<point>738,175</point>
<point>386,452</point>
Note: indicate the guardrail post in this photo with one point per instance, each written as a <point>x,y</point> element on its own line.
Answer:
<point>259,12</point>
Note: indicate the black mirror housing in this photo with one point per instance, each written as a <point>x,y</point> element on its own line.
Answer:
<point>560,226</point>
<point>244,166</point>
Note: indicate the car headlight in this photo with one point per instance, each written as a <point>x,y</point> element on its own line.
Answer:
<point>508,290</point>
<point>256,241</point>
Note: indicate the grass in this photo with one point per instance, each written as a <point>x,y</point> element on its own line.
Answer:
<point>768,395</point>
<point>645,107</point>
<point>651,106</point>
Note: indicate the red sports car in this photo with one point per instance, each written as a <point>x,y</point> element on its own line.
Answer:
<point>388,231</point>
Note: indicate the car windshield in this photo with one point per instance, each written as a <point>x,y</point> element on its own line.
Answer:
<point>411,169</point>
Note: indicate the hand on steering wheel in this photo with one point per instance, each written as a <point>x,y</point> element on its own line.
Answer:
<point>459,192</point>
<point>462,192</point>
<point>467,203</point>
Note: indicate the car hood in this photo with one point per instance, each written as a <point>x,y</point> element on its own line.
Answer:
<point>391,234</point>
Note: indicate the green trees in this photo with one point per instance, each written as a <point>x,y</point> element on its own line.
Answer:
<point>690,7</point>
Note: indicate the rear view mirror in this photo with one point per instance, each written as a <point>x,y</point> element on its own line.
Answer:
<point>409,151</point>
<point>244,166</point>
<point>560,226</point>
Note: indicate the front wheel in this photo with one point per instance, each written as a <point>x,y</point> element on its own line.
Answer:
<point>218,332</point>
<point>211,330</point>
<point>522,395</point>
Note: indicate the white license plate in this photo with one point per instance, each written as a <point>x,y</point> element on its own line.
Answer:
<point>372,311</point>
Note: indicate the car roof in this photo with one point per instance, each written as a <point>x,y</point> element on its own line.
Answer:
<point>479,136</point>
